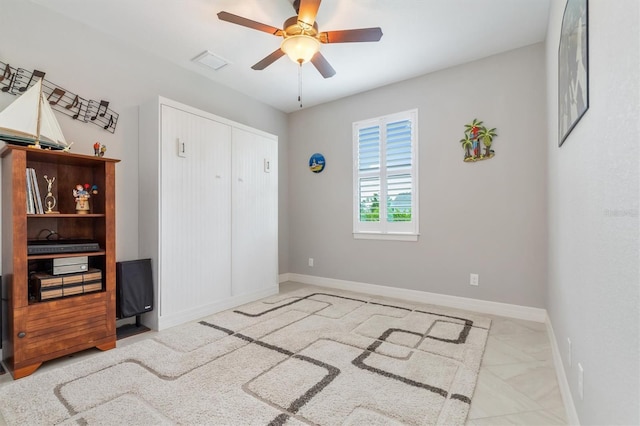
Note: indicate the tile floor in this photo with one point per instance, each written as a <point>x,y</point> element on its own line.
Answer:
<point>517,383</point>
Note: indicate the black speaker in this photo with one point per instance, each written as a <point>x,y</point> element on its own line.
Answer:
<point>134,288</point>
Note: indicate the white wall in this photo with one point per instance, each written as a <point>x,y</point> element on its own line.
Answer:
<point>487,217</point>
<point>593,290</point>
<point>98,67</point>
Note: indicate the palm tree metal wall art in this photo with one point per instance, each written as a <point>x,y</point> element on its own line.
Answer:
<point>477,134</point>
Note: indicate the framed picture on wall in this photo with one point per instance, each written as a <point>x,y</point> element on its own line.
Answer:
<point>573,67</point>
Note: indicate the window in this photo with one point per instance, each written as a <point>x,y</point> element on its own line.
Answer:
<point>385,177</point>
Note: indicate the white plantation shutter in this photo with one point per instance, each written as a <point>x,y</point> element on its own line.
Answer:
<point>369,174</point>
<point>385,177</point>
<point>399,160</point>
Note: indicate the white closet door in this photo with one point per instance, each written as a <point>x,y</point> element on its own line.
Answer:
<point>254,220</point>
<point>195,213</point>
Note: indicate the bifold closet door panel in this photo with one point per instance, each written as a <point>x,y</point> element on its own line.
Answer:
<point>195,212</point>
<point>254,239</point>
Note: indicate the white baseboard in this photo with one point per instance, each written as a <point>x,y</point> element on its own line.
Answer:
<point>192,314</point>
<point>484,306</point>
<point>563,383</point>
<point>283,278</point>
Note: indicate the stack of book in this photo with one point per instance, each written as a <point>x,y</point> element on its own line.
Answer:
<point>34,200</point>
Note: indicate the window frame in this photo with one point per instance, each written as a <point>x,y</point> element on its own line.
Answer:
<point>383,229</point>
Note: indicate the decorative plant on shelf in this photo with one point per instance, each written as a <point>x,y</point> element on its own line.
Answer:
<point>474,134</point>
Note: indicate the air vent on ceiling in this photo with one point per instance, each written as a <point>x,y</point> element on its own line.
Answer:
<point>210,60</point>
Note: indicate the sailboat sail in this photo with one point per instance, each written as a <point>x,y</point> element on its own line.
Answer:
<point>19,121</point>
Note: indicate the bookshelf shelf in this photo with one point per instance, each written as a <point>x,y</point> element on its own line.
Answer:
<point>61,255</point>
<point>65,215</point>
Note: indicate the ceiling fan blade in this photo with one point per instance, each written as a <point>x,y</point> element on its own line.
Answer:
<point>277,54</point>
<point>351,36</point>
<point>322,65</point>
<point>308,10</point>
<point>239,20</point>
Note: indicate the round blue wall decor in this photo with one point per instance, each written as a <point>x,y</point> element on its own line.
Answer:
<point>316,163</point>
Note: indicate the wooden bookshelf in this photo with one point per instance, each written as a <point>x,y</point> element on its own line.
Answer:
<point>41,331</point>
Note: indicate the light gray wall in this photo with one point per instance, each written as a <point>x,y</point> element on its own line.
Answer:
<point>98,67</point>
<point>487,217</point>
<point>593,292</point>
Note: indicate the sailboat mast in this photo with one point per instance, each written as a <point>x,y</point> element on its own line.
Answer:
<point>40,100</point>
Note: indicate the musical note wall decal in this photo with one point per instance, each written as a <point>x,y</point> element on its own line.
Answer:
<point>7,73</point>
<point>72,104</point>
<point>77,114</point>
<point>16,81</point>
<point>56,92</point>
<point>110,122</point>
<point>10,85</point>
<point>35,74</point>
<point>104,104</point>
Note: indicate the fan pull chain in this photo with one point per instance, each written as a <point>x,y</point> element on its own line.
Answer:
<point>300,84</point>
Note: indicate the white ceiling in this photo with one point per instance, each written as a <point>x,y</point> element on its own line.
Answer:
<point>420,36</point>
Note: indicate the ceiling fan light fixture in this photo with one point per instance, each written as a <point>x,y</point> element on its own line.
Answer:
<point>300,48</point>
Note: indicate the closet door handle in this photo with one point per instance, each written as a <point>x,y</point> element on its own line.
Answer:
<point>22,334</point>
<point>182,148</point>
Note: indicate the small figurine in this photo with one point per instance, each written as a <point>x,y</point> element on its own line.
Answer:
<point>99,150</point>
<point>82,196</point>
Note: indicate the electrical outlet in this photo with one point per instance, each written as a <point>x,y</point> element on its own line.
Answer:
<point>580,381</point>
<point>568,352</point>
<point>311,261</point>
<point>474,279</point>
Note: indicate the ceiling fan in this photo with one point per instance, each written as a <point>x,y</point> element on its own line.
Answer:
<point>302,39</point>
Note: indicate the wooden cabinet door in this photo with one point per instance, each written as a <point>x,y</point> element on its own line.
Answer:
<point>58,326</point>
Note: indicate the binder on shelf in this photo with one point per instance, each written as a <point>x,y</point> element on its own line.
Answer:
<point>30,205</point>
<point>34,200</point>
<point>36,193</point>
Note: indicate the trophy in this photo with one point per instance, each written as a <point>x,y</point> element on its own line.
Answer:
<point>50,200</point>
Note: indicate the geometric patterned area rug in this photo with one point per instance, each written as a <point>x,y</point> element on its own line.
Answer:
<point>304,357</point>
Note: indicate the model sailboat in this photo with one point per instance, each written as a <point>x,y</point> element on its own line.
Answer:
<point>29,120</point>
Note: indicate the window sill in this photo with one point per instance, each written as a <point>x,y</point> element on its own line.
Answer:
<point>378,236</point>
